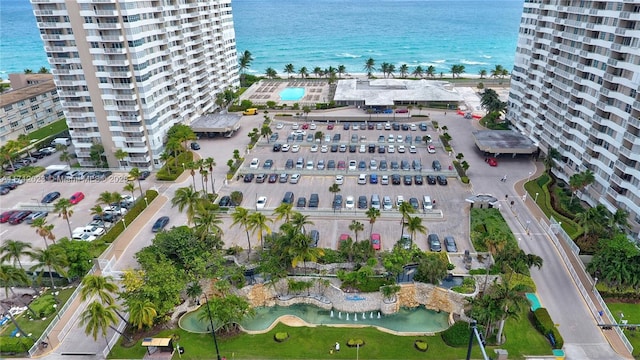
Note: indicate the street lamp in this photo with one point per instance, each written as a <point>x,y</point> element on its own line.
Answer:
<point>146,201</point>
<point>529,177</point>
<point>124,223</point>
<point>595,282</point>
<point>213,329</point>
<point>535,200</point>
<point>183,167</point>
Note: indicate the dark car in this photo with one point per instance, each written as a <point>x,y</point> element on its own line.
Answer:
<point>160,224</point>
<point>396,126</point>
<point>267,164</point>
<point>314,235</point>
<point>314,200</point>
<point>408,180</point>
<point>10,185</point>
<point>436,165</point>
<point>331,164</point>
<point>423,126</point>
<point>450,244</point>
<point>273,178</point>
<point>50,197</point>
<point>434,242</point>
<point>381,149</point>
<point>352,148</point>
<point>289,164</point>
<point>431,180</point>
<point>19,217</point>
<point>414,203</point>
<point>362,202</point>
<point>4,190</point>
<point>195,146</point>
<point>302,202</point>
<point>334,148</point>
<point>274,137</point>
<point>395,179</point>
<point>442,180</point>
<point>336,137</point>
<point>383,165</point>
<point>337,202</point>
<point>345,126</point>
<point>111,217</point>
<point>371,148</point>
<point>248,178</point>
<point>38,154</point>
<point>394,165</point>
<point>225,201</point>
<point>362,165</point>
<point>418,180</point>
<point>277,147</point>
<point>144,175</point>
<point>405,127</point>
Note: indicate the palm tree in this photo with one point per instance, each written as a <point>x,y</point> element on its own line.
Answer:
<point>356,227</point>
<point>121,155</point>
<point>283,211</point>
<point>206,222</point>
<point>510,300</point>
<point>13,250</point>
<point>130,187</point>
<point>265,132</point>
<point>304,72</point>
<point>414,225</point>
<point>418,71</point>
<point>28,71</point>
<point>405,209</point>
<point>102,286</point>
<point>289,69</point>
<point>341,70</point>
<point>45,230</point>
<point>43,70</point>
<point>299,221</point>
<point>369,66</point>
<point>240,217</point>
<point>10,275</point>
<point>244,61</point>
<point>431,71</point>
<point>97,210</point>
<point>482,73</point>
<point>186,198</point>
<point>66,157</point>
<point>299,247</point>
<point>51,259</point>
<point>497,71</point>
<point>164,157</point>
<point>258,223</point>
<point>210,163</point>
<point>549,161</point>
<point>142,313</point>
<point>384,68</point>
<point>136,173</point>
<point>97,317</point>
<point>192,166</point>
<point>404,70</point>
<point>63,208</point>
<point>271,73</point>
<point>372,214</point>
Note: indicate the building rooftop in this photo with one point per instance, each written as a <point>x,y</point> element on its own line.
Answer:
<point>44,84</point>
<point>218,123</point>
<point>504,142</point>
<point>384,92</point>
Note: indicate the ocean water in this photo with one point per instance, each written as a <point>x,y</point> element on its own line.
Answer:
<point>478,34</point>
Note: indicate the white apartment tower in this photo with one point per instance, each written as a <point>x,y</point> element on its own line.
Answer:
<point>575,88</point>
<point>127,70</point>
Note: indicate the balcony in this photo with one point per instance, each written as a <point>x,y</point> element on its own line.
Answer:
<point>107,26</point>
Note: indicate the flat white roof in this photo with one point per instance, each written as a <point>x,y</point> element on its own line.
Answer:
<point>384,92</point>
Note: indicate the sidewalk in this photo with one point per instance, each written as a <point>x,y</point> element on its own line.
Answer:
<point>612,337</point>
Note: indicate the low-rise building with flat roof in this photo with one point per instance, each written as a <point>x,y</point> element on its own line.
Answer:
<point>212,125</point>
<point>31,104</point>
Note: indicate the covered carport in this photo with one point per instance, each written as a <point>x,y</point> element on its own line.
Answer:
<point>499,142</point>
<point>212,125</point>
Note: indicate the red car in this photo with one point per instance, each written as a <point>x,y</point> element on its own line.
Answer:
<point>76,198</point>
<point>492,161</point>
<point>4,217</point>
<point>375,241</point>
<point>305,126</point>
<point>343,238</point>
<point>19,217</point>
<point>330,127</point>
<point>341,165</point>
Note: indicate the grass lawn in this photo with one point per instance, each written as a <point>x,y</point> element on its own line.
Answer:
<point>632,315</point>
<point>489,221</point>
<point>36,327</point>
<point>53,128</point>
<point>534,187</point>
<point>314,343</point>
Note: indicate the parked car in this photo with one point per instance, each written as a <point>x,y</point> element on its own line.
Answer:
<point>337,202</point>
<point>195,146</point>
<point>144,175</point>
<point>254,163</point>
<point>362,202</point>
<point>272,178</point>
<point>76,198</point>
<point>5,216</point>
<point>314,200</point>
<point>19,217</point>
<point>414,203</point>
<point>225,201</point>
<point>431,180</point>
<point>434,242</point>
<point>36,215</point>
<point>442,180</point>
<point>268,164</point>
<point>375,241</point>
<point>302,202</point>
<point>284,177</point>
<point>261,202</point>
<point>349,202</point>
<point>112,218</point>
<point>450,244</point>
<point>314,235</point>
<point>248,178</point>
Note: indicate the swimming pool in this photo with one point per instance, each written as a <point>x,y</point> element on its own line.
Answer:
<point>409,320</point>
<point>292,94</point>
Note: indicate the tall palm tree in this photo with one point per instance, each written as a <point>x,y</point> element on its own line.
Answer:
<point>369,66</point>
<point>66,157</point>
<point>431,71</point>
<point>341,70</point>
<point>318,72</point>
<point>271,73</point>
<point>258,222</point>
<point>240,217</point>
<point>97,210</point>
<point>186,198</point>
<point>142,313</point>
<point>210,163</point>
<point>130,187</point>
<point>299,247</point>
<point>405,210</point>
<point>304,72</point>
<point>482,73</point>
<point>549,161</point>
<point>97,318</point>
<point>106,197</point>
<point>414,225</point>
<point>120,155</point>
<point>384,69</point>
<point>299,221</point>
<point>136,173</point>
<point>497,71</point>
<point>102,286</point>
<point>289,69</point>
<point>245,60</point>
<point>50,259</point>
<point>372,214</point>
<point>192,166</point>
<point>356,226</point>
<point>64,209</point>
<point>206,222</point>
<point>13,250</point>
<point>10,275</point>
<point>418,71</point>
<point>45,230</point>
<point>283,211</point>
<point>404,70</point>
<point>510,300</point>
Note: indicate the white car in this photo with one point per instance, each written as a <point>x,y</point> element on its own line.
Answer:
<point>279,125</point>
<point>294,178</point>
<point>295,148</point>
<point>386,203</point>
<point>399,200</point>
<point>339,179</point>
<point>391,149</point>
<point>49,149</point>
<point>431,149</point>
<point>262,201</point>
<point>362,179</point>
<point>285,147</point>
<point>312,126</point>
<point>413,127</point>
<point>412,149</point>
<point>387,126</point>
<point>295,126</point>
<point>391,139</point>
<point>327,138</point>
<point>324,148</point>
<point>363,148</point>
<point>310,165</point>
<point>85,237</point>
<point>373,164</point>
<point>349,202</point>
<point>401,149</point>
<point>352,164</point>
<point>255,162</point>
<point>399,139</point>
<point>314,148</point>
<point>384,180</point>
<point>117,210</point>
<point>355,127</point>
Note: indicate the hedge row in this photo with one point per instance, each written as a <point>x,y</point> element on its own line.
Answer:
<point>170,171</point>
<point>15,345</point>
<point>131,215</point>
<point>457,335</point>
<point>542,322</point>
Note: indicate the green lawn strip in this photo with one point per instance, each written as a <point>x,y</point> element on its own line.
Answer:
<point>492,220</point>
<point>51,129</point>
<point>523,339</point>
<point>36,327</point>
<point>536,186</point>
<point>632,315</point>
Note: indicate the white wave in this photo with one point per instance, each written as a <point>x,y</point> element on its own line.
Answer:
<point>348,55</point>
<point>486,56</point>
<point>469,62</point>
<point>439,61</point>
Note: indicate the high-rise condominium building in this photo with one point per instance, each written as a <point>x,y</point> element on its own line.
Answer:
<point>574,88</point>
<point>127,70</point>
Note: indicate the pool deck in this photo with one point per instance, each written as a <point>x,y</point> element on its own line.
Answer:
<point>315,91</point>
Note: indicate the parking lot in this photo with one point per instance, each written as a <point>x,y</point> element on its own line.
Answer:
<point>449,217</point>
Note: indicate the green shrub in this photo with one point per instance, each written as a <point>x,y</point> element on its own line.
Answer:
<point>43,306</point>
<point>464,179</point>
<point>27,171</point>
<point>15,345</point>
<point>450,266</point>
<point>170,171</point>
<point>457,335</point>
<point>355,342</point>
<point>468,286</point>
<point>526,281</point>
<point>281,336</point>
<point>421,345</point>
<point>541,320</point>
<point>131,215</point>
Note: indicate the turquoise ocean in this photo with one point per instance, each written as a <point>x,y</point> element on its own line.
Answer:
<point>478,34</point>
